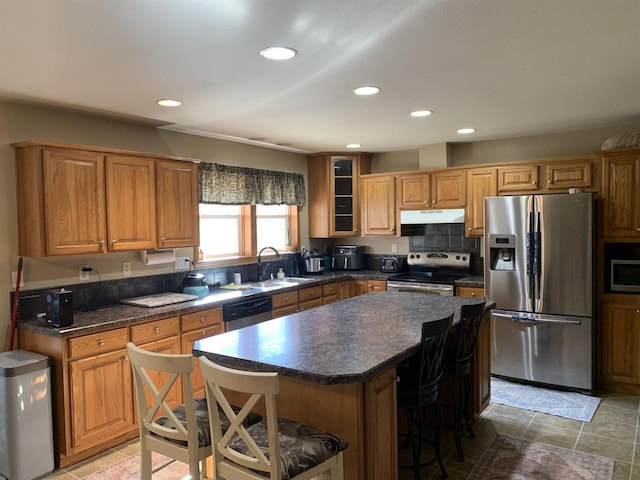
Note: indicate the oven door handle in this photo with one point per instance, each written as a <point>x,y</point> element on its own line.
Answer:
<point>404,287</point>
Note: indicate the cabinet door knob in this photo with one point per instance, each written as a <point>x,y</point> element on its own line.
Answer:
<point>102,242</point>
<point>473,294</point>
<point>433,201</point>
<point>113,242</point>
<point>157,329</point>
<point>204,332</point>
<point>638,229</point>
<point>202,319</point>
<point>533,183</point>
<point>638,310</point>
<point>163,240</point>
<point>101,342</point>
<point>125,358</point>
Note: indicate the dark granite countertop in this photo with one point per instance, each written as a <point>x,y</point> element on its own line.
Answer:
<point>121,315</point>
<point>345,342</point>
<point>471,281</point>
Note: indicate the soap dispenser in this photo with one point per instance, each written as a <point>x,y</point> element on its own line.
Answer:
<point>280,274</point>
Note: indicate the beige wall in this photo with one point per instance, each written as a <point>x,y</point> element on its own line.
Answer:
<point>580,142</point>
<point>20,122</point>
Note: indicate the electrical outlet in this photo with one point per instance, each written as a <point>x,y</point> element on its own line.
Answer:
<point>83,276</point>
<point>126,269</point>
<point>182,263</point>
<point>394,248</point>
<point>14,277</point>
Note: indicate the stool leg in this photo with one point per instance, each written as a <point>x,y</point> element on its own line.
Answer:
<point>437,439</point>
<point>417,447</point>
<point>456,418</point>
<point>465,405</point>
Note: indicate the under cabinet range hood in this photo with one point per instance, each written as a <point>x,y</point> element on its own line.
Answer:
<point>423,217</point>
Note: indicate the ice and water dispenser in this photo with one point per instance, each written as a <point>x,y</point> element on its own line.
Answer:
<point>502,252</point>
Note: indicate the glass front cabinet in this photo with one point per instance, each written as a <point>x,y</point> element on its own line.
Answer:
<point>333,193</point>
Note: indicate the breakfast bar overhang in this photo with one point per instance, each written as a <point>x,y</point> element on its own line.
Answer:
<point>337,365</point>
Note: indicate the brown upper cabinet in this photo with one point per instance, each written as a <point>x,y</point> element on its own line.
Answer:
<point>78,200</point>
<point>621,194</point>
<point>518,179</point>
<point>378,205</point>
<point>481,183</point>
<point>333,185</point>
<point>177,194</point>
<point>438,189</point>
<point>556,176</point>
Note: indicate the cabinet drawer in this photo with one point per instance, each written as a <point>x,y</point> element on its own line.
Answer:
<point>330,289</point>
<point>284,299</point>
<point>205,318</point>
<point>329,299</point>
<point>309,304</point>
<point>474,292</point>
<point>282,311</point>
<point>148,332</point>
<point>98,343</point>
<point>309,293</point>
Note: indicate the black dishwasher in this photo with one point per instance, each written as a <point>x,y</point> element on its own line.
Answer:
<point>247,312</point>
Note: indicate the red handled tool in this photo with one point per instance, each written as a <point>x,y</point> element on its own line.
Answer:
<point>14,310</point>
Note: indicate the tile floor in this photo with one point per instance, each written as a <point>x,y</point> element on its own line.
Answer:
<point>613,432</point>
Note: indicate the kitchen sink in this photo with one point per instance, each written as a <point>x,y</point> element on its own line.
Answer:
<point>280,283</point>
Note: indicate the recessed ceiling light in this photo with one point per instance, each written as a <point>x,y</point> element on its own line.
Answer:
<point>167,102</point>
<point>366,90</point>
<point>466,131</point>
<point>354,145</point>
<point>278,53</point>
<point>421,113</point>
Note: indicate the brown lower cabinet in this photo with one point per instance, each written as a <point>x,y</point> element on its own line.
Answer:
<point>93,398</point>
<point>482,359</point>
<point>620,335</point>
<point>360,287</point>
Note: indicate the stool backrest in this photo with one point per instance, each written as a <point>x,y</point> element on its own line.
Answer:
<point>467,335</point>
<point>154,375</point>
<point>234,458</point>
<point>432,349</point>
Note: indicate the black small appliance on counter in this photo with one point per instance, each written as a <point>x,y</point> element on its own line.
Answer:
<point>347,257</point>
<point>59,310</point>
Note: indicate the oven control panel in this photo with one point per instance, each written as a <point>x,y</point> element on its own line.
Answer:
<point>440,259</point>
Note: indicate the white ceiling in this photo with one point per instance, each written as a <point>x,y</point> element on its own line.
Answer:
<point>506,67</point>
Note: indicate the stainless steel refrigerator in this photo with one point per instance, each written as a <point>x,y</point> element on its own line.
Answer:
<point>538,268</point>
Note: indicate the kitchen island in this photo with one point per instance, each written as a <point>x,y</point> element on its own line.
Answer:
<point>337,366</point>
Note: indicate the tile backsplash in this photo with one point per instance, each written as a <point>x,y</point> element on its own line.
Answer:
<point>94,295</point>
<point>447,237</point>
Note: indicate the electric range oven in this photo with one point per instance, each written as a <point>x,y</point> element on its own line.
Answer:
<point>432,273</point>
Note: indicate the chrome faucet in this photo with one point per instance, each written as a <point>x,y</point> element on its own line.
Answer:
<point>260,270</point>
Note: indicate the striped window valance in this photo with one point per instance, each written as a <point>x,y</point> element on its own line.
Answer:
<point>229,185</point>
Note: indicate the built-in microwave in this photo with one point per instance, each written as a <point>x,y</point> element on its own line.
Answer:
<point>624,275</point>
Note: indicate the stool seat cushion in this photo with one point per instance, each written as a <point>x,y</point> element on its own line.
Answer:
<point>301,447</point>
<point>202,420</point>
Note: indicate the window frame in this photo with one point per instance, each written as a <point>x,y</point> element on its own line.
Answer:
<point>248,242</point>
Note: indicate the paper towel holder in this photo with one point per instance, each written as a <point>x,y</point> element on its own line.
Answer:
<point>157,257</point>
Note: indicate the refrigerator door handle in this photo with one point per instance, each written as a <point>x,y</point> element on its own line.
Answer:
<point>530,248</point>
<point>534,321</point>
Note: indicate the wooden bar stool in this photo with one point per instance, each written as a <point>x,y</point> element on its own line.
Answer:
<point>275,448</point>
<point>418,388</point>
<point>457,369</point>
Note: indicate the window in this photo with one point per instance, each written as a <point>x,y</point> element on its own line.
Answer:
<point>220,230</point>
<point>231,231</point>
<point>272,226</point>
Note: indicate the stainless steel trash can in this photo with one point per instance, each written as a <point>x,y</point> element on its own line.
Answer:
<point>26,431</point>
